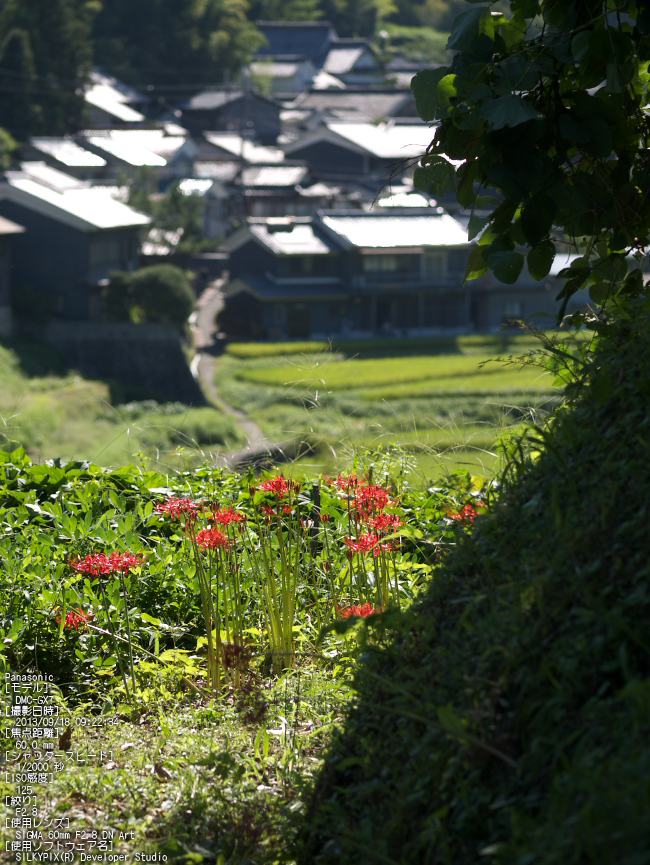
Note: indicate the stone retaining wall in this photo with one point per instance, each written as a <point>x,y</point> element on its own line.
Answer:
<point>148,356</point>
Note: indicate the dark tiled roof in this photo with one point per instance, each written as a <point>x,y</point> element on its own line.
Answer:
<point>307,39</point>
<point>365,104</point>
<point>210,99</point>
<point>265,289</point>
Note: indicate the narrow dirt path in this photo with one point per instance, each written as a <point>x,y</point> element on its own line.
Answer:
<point>204,367</point>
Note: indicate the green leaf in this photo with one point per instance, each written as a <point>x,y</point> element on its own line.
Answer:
<point>600,137</point>
<point>450,720</point>
<point>571,130</point>
<point>445,92</point>
<point>466,175</point>
<point>540,259</point>
<point>425,86</point>
<point>468,27</point>
<point>436,178</point>
<point>615,78</point>
<point>633,284</point>
<point>537,218</point>
<point>580,45</point>
<point>476,225</point>
<point>476,265</point>
<point>506,266</point>
<point>599,292</point>
<point>512,32</point>
<point>525,8</point>
<point>508,111</point>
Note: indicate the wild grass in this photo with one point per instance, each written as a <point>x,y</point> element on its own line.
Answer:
<point>56,413</point>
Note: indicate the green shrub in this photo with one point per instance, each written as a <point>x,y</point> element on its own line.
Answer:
<point>159,294</point>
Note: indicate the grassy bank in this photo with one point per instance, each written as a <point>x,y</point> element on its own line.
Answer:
<point>53,412</point>
<point>508,721</point>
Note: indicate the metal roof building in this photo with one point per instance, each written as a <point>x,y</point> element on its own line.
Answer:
<point>87,208</point>
<point>410,229</point>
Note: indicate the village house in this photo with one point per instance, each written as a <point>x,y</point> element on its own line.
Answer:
<point>8,230</point>
<point>343,150</point>
<point>283,75</point>
<point>75,234</point>
<point>111,103</point>
<point>359,104</point>
<point>66,155</point>
<point>394,271</point>
<point>347,273</point>
<point>350,61</point>
<point>224,109</point>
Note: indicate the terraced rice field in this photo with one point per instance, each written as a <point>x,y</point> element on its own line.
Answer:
<point>442,403</point>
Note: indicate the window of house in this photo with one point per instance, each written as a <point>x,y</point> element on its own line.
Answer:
<point>434,265</point>
<point>513,309</point>
<point>380,263</point>
<point>301,265</point>
<point>457,261</point>
<point>104,251</point>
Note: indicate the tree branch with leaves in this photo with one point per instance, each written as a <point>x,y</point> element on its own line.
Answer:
<point>543,135</point>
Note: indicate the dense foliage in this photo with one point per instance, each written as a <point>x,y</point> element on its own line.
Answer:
<point>174,43</point>
<point>88,553</point>
<point>546,105</point>
<point>160,294</point>
<point>45,59</point>
<point>508,721</point>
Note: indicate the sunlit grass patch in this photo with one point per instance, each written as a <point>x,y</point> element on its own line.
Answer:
<point>380,347</point>
<point>386,376</point>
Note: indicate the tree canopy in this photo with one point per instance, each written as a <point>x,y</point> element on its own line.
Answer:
<point>45,60</point>
<point>170,42</point>
<point>159,294</point>
<point>545,106</point>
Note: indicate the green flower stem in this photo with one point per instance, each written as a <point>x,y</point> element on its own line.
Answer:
<point>128,631</point>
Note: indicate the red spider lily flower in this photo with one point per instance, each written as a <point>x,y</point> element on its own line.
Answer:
<point>386,547</point>
<point>468,514</point>
<point>268,510</point>
<point>363,611</point>
<point>279,486</point>
<point>347,482</point>
<point>226,517</point>
<point>124,561</point>
<point>385,522</point>
<point>363,544</point>
<point>101,565</point>
<point>75,620</point>
<point>175,508</point>
<point>211,539</point>
<point>370,500</point>
<point>93,565</point>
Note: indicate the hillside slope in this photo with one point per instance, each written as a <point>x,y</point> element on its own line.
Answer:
<point>508,720</point>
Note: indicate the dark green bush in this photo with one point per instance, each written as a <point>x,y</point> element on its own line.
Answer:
<point>159,294</point>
